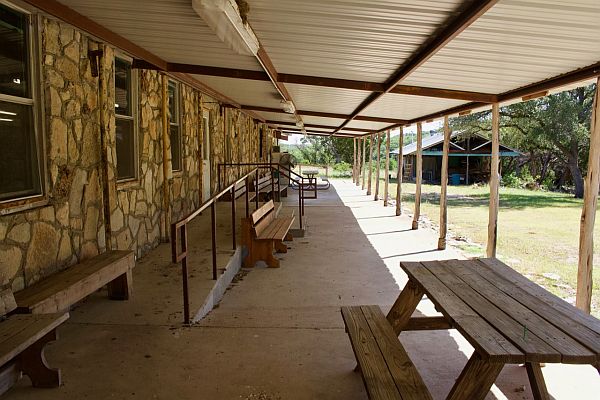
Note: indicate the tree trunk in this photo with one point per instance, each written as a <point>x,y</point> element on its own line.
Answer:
<point>575,175</point>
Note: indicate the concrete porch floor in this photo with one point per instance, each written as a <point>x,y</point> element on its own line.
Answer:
<point>277,334</point>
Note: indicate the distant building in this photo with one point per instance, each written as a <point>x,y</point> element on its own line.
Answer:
<point>468,162</point>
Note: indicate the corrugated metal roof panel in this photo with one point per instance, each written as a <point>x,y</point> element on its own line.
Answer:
<point>403,106</point>
<point>326,99</point>
<point>349,39</point>
<point>368,125</point>
<point>244,91</point>
<point>517,42</point>
<point>168,28</point>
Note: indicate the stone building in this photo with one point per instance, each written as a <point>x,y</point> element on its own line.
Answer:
<point>96,154</point>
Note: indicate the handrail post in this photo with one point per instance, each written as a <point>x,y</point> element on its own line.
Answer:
<point>233,222</point>
<point>219,177</point>
<point>247,197</point>
<point>213,228</point>
<point>300,191</point>
<point>256,194</point>
<point>271,170</point>
<point>184,274</point>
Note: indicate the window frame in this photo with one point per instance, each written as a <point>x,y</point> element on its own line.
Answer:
<point>134,93</point>
<point>176,121</point>
<point>25,200</point>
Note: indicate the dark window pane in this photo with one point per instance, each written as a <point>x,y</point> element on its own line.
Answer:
<point>14,56</point>
<point>122,87</point>
<point>175,148</point>
<point>125,149</point>
<point>19,172</point>
<point>173,102</point>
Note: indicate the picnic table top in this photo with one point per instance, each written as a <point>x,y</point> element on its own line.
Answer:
<point>506,317</point>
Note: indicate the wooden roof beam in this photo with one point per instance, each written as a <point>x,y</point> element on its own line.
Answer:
<point>316,126</point>
<point>323,114</point>
<point>473,10</point>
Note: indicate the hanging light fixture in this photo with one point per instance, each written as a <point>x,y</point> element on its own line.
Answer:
<point>224,19</point>
<point>288,106</point>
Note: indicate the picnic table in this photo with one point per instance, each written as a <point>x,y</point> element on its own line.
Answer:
<point>507,319</point>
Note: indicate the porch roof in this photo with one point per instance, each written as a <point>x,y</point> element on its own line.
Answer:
<point>434,140</point>
<point>353,68</point>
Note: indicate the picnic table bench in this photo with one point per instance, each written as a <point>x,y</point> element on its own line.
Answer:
<point>263,232</point>
<point>505,317</point>
<point>63,289</point>
<point>22,342</point>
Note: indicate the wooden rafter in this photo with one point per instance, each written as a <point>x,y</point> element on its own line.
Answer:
<point>449,31</point>
<point>324,114</point>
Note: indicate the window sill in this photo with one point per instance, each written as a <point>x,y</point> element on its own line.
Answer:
<point>20,205</point>
<point>125,184</point>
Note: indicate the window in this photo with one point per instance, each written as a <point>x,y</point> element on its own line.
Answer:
<point>125,121</point>
<point>20,174</point>
<point>174,130</point>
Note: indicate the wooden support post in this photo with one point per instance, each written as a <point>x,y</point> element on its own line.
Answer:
<point>399,174</point>
<point>358,163</point>
<point>494,182</point>
<point>418,177</point>
<point>386,185</point>
<point>364,150</point>
<point>354,161</point>
<point>377,165</point>
<point>370,165</point>
<point>444,190</point>
<point>588,213</point>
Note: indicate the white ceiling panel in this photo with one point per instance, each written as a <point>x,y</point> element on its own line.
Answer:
<point>326,99</point>
<point>401,106</point>
<point>244,91</point>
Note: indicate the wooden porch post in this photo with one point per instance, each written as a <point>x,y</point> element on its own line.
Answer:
<point>399,174</point>
<point>370,165</point>
<point>364,150</point>
<point>377,167</point>
<point>588,213</point>
<point>358,163</point>
<point>443,194</point>
<point>494,181</point>
<point>387,169</point>
<point>419,176</point>
<point>354,161</point>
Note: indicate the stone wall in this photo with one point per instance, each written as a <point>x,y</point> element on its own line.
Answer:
<point>84,210</point>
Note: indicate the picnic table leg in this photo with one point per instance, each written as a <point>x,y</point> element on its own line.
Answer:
<point>475,380</point>
<point>537,382</point>
<point>405,305</point>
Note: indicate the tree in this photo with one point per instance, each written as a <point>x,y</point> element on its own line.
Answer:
<point>553,130</point>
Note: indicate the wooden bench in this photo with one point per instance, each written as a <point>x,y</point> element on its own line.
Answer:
<point>59,291</point>
<point>22,342</point>
<point>387,371</point>
<point>240,190</point>
<point>268,188</point>
<point>263,233</point>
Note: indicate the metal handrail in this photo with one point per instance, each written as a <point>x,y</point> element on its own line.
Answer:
<point>179,244</point>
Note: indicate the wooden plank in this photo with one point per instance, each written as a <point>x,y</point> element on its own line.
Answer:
<point>444,189</point>
<point>387,170</point>
<point>418,177</point>
<point>588,212</point>
<point>426,324</point>
<point>404,306</point>
<point>262,211</point>
<point>494,183</point>
<point>528,320</point>
<point>376,375</point>
<point>19,332</point>
<point>7,302</point>
<point>555,303</point>
<point>265,224</point>
<point>405,374</point>
<point>560,319</point>
<point>59,291</point>
<point>535,348</point>
<point>486,340</point>
<point>399,174</point>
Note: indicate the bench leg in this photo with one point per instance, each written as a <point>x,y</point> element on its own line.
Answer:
<point>280,247</point>
<point>288,237</point>
<point>475,380</point>
<point>537,382</point>
<point>33,363</point>
<point>263,251</point>
<point>121,287</point>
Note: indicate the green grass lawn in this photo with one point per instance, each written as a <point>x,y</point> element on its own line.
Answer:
<point>538,232</point>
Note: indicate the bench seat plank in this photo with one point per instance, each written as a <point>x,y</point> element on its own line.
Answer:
<point>407,378</point>
<point>20,331</point>
<point>376,375</point>
<point>277,230</point>
<point>59,291</point>
<point>490,343</point>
